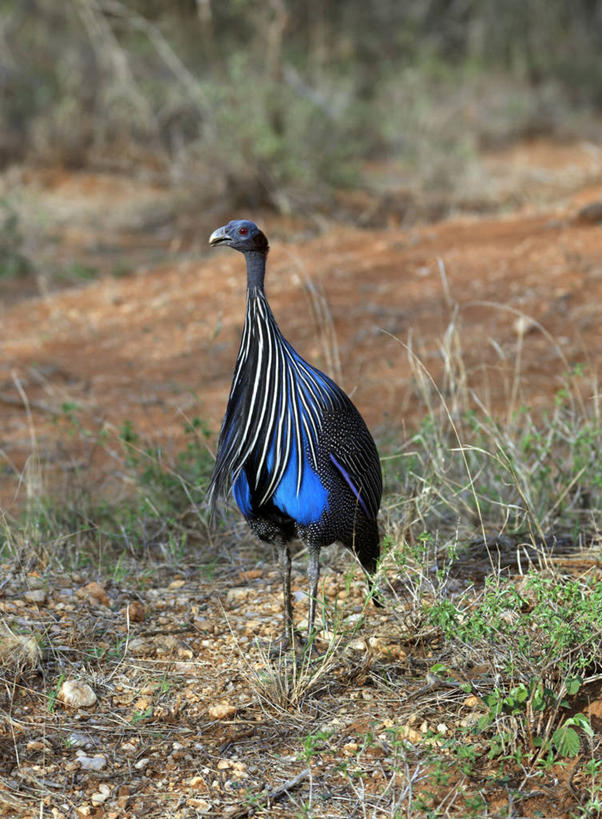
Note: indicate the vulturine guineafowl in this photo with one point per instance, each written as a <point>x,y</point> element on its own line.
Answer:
<point>293,447</point>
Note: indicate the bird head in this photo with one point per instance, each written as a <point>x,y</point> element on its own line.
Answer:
<point>240,234</point>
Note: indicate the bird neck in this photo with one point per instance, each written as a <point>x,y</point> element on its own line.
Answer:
<point>255,270</point>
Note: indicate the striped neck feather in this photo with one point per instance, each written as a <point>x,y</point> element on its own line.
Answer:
<point>275,409</point>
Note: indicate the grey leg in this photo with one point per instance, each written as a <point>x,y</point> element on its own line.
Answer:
<point>285,569</point>
<point>313,574</point>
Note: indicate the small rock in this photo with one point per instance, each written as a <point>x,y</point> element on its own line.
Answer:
<point>237,595</point>
<point>142,763</point>
<point>136,612</point>
<point>358,644</point>
<point>176,584</point>
<point>184,668</point>
<point>35,596</point>
<point>138,646</point>
<point>77,694</point>
<point>411,734</point>
<point>198,783</point>
<point>37,745</point>
<point>222,710</point>
<point>102,794</point>
<point>95,593</point>
<point>77,739</point>
<point>472,701</point>
<point>91,763</point>
<point>166,644</point>
<point>299,596</point>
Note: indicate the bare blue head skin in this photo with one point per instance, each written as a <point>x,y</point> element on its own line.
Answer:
<point>245,236</point>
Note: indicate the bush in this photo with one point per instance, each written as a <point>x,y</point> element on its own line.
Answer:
<point>277,103</point>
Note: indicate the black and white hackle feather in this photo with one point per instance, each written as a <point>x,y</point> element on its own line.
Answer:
<point>294,449</point>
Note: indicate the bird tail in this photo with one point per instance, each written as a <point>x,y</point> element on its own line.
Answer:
<point>368,553</point>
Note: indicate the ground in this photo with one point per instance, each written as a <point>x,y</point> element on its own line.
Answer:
<point>191,716</point>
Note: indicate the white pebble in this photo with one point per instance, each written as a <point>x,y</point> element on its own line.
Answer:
<point>78,739</point>
<point>77,694</point>
<point>102,795</point>
<point>300,596</point>
<point>91,763</point>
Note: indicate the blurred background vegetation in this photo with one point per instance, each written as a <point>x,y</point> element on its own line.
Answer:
<point>270,103</point>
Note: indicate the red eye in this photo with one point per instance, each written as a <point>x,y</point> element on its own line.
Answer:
<point>243,231</point>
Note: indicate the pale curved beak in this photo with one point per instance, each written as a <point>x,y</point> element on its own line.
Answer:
<point>219,236</point>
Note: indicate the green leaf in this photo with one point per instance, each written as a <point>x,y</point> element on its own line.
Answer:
<point>573,685</point>
<point>521,693</point>
<point>581,721</point>
<point>566,740</point>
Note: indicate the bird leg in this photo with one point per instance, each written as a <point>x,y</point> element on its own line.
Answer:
<point>313,574</point>
<point>285,570</point>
